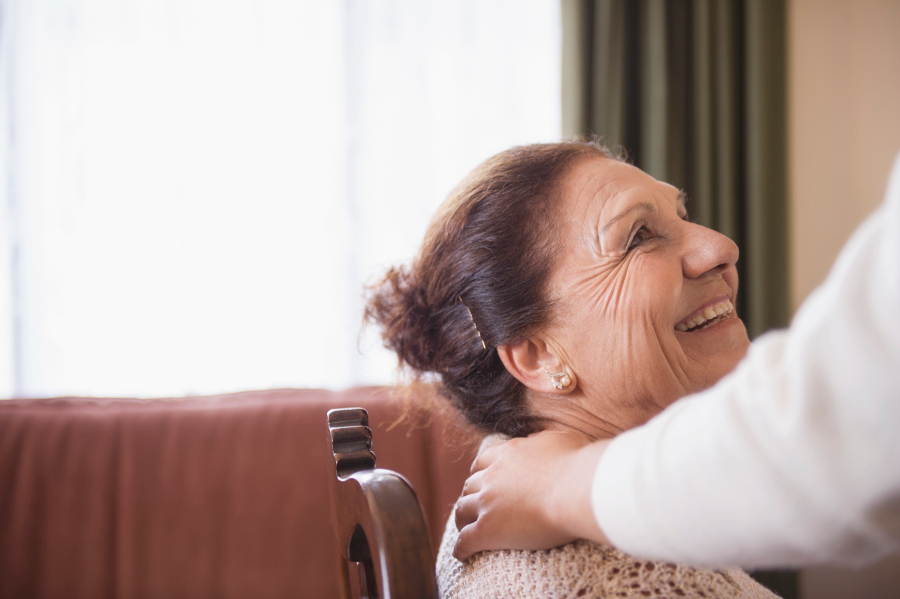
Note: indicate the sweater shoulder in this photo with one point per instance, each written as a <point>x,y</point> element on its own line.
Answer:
<point>579,569</point>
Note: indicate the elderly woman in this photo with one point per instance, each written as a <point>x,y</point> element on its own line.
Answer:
<point>561,288</point>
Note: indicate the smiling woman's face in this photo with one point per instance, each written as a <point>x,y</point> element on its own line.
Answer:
<point>644,300</point>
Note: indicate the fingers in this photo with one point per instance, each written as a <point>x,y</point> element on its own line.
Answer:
<point>491,453</point>
<point>469,542</point>
<point>466,511</point>
<point>473,484</point>
<point>466,543</point>
<point>487,457</point>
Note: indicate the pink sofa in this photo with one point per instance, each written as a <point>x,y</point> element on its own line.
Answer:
<point>222,496</point>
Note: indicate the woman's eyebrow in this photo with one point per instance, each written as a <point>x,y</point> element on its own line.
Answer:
<point>645,206</point>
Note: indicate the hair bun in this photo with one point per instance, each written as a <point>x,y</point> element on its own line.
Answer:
<point>398,305</point>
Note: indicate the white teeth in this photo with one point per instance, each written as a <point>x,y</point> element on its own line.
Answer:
<point>724,308</point>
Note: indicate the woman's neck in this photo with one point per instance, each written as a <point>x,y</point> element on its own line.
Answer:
<point>570,413</point>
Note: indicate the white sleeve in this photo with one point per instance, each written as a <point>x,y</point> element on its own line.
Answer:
<point>794,458</point>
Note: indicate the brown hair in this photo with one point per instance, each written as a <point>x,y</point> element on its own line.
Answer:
<point>479,281</point>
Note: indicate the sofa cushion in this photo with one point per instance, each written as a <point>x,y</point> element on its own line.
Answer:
<point>221,496</point>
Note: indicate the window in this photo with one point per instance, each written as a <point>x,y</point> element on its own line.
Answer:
<point>195,192</point>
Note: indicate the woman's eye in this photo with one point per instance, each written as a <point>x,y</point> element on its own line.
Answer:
<point>640,236</point>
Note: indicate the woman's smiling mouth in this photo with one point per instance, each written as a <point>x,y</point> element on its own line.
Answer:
<point>706,317</point>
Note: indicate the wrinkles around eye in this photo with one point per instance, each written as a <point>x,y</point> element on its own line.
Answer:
<point>641,235</point>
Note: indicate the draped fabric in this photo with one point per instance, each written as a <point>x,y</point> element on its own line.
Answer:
<point>694,93</point>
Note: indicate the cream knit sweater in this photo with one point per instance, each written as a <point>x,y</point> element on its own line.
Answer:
<point>580,569</point>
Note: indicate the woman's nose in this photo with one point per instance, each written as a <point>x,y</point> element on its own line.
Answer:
<point>708,252</point>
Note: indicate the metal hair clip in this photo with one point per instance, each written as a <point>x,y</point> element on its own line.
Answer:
<point>472,318</point>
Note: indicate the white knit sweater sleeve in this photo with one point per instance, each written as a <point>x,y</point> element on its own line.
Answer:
<point>794,458</point>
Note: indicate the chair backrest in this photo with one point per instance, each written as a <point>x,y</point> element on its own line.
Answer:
<point>378,521</point>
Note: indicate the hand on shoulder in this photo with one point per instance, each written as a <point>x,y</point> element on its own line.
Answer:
<point>529,493</point>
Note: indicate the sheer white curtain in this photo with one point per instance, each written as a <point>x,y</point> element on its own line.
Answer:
<point>194,192</point>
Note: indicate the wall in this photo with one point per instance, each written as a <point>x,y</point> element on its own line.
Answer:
<point>844,132</point>
<point>844,114</point>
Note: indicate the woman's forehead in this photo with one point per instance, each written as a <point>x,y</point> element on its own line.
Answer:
<point>600,184</point>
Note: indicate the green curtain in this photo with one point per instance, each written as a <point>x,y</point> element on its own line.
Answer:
<point>694,92</point>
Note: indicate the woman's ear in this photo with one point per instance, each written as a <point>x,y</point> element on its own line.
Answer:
<point>536,364</point>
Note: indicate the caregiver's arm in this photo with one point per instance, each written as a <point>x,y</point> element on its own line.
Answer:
<point>790,460</point>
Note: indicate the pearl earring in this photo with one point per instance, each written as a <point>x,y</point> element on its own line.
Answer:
<point>560,379</point>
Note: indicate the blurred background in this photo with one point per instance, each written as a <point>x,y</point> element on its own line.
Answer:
<point>194,193</point>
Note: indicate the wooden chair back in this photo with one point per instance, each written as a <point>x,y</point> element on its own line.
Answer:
<point>378,521</point>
